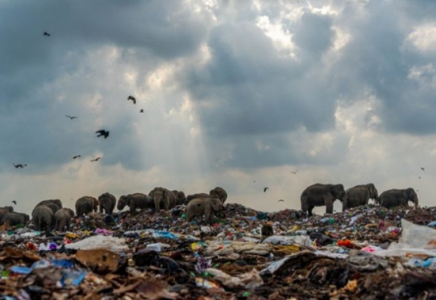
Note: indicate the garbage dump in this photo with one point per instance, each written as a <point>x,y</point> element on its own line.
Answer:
<point>367,252</point>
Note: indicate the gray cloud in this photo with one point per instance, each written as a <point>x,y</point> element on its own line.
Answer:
<point>258,100</point>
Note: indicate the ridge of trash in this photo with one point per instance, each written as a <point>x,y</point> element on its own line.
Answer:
<point>368,252</point>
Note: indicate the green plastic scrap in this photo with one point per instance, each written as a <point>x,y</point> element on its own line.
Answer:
<point>246,294</point>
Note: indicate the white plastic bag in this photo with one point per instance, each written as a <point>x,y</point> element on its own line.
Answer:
<point>415,239</point>
<point>157,246</point>
<point>100,242</point>
<point>287,240</point>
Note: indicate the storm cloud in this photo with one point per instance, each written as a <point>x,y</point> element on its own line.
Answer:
<point>235,94</point>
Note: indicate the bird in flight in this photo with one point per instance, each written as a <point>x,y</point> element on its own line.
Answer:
<point>141,111</point>
<point>19,166</point>
<point>132,98</point>
<point>419,177</point>
<point>422,169</point>
<point>294,172</point>
<point>15,202</point>
<point>96,159</point>
<point>264,189</point>
<point>46,33</point>
<point>71,117</point>
<point>281,200</point>
<point>76,156</point>
<point>102,132</point>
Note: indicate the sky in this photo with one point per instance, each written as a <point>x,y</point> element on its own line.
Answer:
<point>236,94</point>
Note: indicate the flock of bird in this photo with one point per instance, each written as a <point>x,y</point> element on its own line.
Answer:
<point>105,134</point>
<point>102,132</point>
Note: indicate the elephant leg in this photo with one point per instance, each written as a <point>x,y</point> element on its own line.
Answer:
<point>344,204</point>
<point>132,209</point>
<point>309,210</point>
<point>188,217</point>
<point>329,206</point>
<point>207,213</point>
<point>101,208</point>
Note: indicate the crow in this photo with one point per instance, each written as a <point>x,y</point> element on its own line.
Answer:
<point>15,202</point>
<point>141,111</point>
<point>46,33</point>
<point>422,169</point>
<point>294,172</point>
<point>19,166</point>
<point>264,190</point>
<point>76,156</point>
<point>281,200</point>
<point>102,132</point>
<point>132,98</point>
<point>96,159</point>
<point>71,117</point>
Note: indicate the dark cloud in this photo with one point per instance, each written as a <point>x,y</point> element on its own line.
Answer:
<point>36,71</point>
<point>313,35</point>
<point>252,90</point>
<point>248,92</point>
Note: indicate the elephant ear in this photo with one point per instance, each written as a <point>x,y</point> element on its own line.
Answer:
<point>334,189</point>
<point>129,200</point>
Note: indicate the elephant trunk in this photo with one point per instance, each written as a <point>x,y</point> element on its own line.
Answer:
<point>415,200</point>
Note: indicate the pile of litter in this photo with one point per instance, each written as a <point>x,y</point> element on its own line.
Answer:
<point>365,253</point>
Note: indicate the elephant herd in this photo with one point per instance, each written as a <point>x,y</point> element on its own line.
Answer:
<point>325,194</point>
<point>50,214</point>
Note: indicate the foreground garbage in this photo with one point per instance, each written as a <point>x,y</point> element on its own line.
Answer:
<point>364,253</point>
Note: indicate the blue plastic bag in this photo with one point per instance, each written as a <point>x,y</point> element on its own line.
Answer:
<point>165,234</point>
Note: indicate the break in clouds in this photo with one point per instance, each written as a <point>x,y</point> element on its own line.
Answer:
<point>234,93</point>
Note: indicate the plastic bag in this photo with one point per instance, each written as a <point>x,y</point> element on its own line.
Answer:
<point>100,242</point>
<point>417,262</point>
<point>157,246</point>
<point>165,234</point>
<point>288,240</point>
<point>415,239</point>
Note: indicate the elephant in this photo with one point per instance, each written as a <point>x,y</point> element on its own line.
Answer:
<point>198,195</point>
<point>180,197</point>
<point>398,197</point>
<point>55,201</point>
<point>107,202</point>
<point>134,201</point>
<point>203,206</point>
<point>42,217</point>
<point>359,195</point>
<point>163,198</point>
<point>85,205</point>
<point>63,218</point>
<point>319,195</point>
<point>15,218</point>
<point>5,210</point>
<point>53,206</point>
<point>219,193</point>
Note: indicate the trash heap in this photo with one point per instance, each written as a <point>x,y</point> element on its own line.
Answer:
<point>367,252</point>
